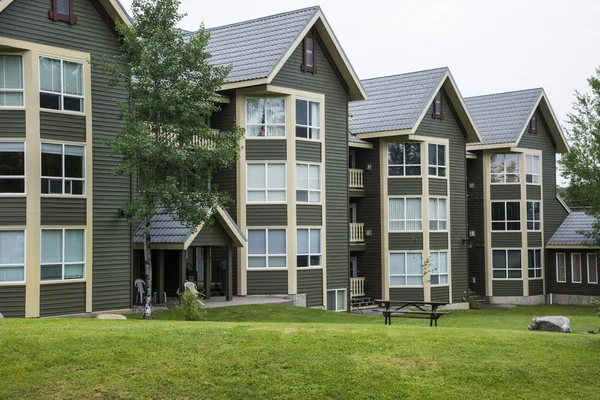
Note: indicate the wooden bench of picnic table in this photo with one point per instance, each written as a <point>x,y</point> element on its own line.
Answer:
<point>401,310</point>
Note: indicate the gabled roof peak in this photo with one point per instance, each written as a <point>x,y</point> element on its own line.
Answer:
<point>405,74</point>
<point>265,18</point>
<point>507,93</point>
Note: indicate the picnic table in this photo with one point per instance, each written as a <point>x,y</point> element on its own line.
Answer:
<point>424,309</point>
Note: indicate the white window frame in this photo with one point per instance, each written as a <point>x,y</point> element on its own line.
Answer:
<point>405,219</point>
<point>309,126</point>
<point>440,274</point>
<point>564,266</point>
<point>63,263</point>
<point>535,268</point>
<point>438,166</point>
<point>310,253</point>
<point>22,90</point>
<point>529,160</point>
<point>337,308</point>
<point>406,275</point>
<point>534,221</point>
<point>24,257</point>
<point>64,178</point>
<point>506,267</point>
<point>504,173</point>
<point>24,176</point>
<point>62,93</point>
<point>506,221</point>
<point>266,126</point>
<point>404,165</point>
<point>438,219</point>
<point>573,268</point>
<point>309,190</point>
<point>267,255</point>
<point>587,258</point>
<point>266,189</point>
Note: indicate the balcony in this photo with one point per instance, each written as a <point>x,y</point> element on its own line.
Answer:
<point>357,287</point>
<point>357,233</point>
<point>355,178</point>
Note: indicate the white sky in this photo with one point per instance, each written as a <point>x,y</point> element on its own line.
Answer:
<point>490,46</point>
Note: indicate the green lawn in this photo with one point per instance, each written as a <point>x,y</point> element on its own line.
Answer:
<point>258,352</point>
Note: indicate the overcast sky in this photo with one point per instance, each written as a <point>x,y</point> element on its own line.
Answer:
<point>490,46</point>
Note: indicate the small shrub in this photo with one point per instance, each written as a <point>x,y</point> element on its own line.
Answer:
<point>190,306</point>
<point>473,304</point>
<point>596,304</point>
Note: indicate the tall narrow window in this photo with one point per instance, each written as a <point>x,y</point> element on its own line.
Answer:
<point>533,124</point>
<point>506,216</point>
<point>63,254</point>
<point>535,263</point>
<point>438,214</point>
<point>561,267</point>
<point>12,167</point>
<point>576,268</point>
<point>12,256</point>
<point>439,267</point>
<point>11,80</point>
<point>266,183</point>
<point>265,117</point>
<point>532,169</point>
<point>506,264</point>
<point>437,160</point>
<point>267,248</point>
<point>309,64</point>
<point>592,268</point>
<point>61,85</point>
<point>62,10</point>
<point>308,183</point>
<point>406,269</point>
<point>63,169</point>
<point>438,106</point>
<point>405,215</point>
<point>534,216</point>
<point>308,119</point>
<point>309,248</point>
<point>505,168</point>
<point>404,159</point>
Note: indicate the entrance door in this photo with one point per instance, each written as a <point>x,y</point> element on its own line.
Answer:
<point>200,264</point>
<point>353,267</point>
<point>352,215</point>
<point>352,159</point>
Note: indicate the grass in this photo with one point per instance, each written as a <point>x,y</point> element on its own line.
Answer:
<point>258,352</point>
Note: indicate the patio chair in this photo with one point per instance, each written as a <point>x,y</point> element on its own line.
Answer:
<point>191,287</point>
<point>140,285</point>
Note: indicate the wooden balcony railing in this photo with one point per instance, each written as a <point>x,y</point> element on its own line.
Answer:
<point>357,233</point>
<point>357,287</point>
<point>205,142</point>
<point>355,178</point>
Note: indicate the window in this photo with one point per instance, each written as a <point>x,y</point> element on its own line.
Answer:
<point>532,169</point>
<point>63,169</point>
<point>62,10</point>
<point>406,269</point>
<point>266,182</point>
<point>505,168</point>
<point>561,267</point>
<point>506,264</point>
<point>506,216</point>
<point>533,124</point>
<point>439,267</point>
<point>309,248</point>
<point>12,167</point>
<point>11,80</point>
<point>592,268</point>
<point>265,117</point>
<point>308,183</point>
<point>405,215</point>
<point>576,268</point>
<point>438,106</point>
<point>12,256</point>
<point>437,160</point>
<point>308,119</point>
<point>404,159</point>
<point>308,62</point>
<point>267,248</point>
<point>438,214</point>
<point>63,254</point>
<point>61,85</point>
<point>336,300</point>
<point>534,218</point>
<point>535,263</point>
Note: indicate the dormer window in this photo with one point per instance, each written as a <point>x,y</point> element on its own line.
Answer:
<point>62,10</point>
<point>438,106</point>
<point>308,64</point>
<point>533,124</point>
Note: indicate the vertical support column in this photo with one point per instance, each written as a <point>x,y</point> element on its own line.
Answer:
<point>229,274</point>
<point>487,218</point>
<point>240,107</point>
<point>384,204</point>
<point>182,271</point>
<point>160,285</point>
<point>291,193</point>
<point>425,219</point>
<point>89,189</point>
<point>206,272</point>
<point>524,239</point>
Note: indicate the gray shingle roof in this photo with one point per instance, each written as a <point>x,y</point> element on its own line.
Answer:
<point>394,102</point>
<point>568,232</point>
<point>164,229</point>
<point>353,139</point>
<point>501,117</point>
<point>254,48</point>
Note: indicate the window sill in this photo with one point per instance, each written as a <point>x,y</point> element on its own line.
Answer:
<point>406,287</point>
<point>62,281</point>
<point>309,140</point>
<point>265,137</point>
<point>13,195</point>
<point>253,203</point>
<point>64,112</point>
<point>443,285</point>
<point>405,176</point>
<point>533,184</point>
<point>12,108</point>
<point>267,269</point>
<point>507,279</point>
<point>505,183</point>
<point>12,283</point>
<point>309,203</point>
<point>309,268</point>
<point>535,279</point>
<point>507,231</point>
<point>421,231</point>
<point>63,196</point>
<point>438,177</point>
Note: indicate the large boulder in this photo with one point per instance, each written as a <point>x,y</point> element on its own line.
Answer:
<point>550,324</point>
<point>1,316</point>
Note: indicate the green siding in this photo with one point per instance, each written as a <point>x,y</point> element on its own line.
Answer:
<point>336,154</point>
<point>266,215</point>
<point>12,123</point>
<point>536,287</point>
<point>438,187</point>
<point>224,118</point>
<point>534,192</point>
<point>476,223</point>
<point>309,215</point>
<point>310,282</point>
<point>505,192</point>
<point>63,211</point>
<point>438,241</point>
<point>267,282</point>
<point>534,239</point>
<point>13,211</point>
<point>582,289</point>
<point>266,149</point>
<point>440,293</point>
<point>508,288</point>
<point>12,301</point>
<point>62,126</point>
<point>407,294</point>
<point>62,299</point>
<point>406,241</point>
<point>405,186</point>
<point>504,240</point>
<point>308,151</point>
<point>211,234</point>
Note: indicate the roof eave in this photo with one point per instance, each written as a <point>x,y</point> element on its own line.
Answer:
<point>113,7</point>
